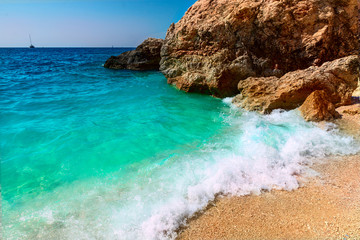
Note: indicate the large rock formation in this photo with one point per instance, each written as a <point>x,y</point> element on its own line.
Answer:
<point>220,42</point>
<point>337,78</point>
<point>145,57</point>
<point>317,107</point>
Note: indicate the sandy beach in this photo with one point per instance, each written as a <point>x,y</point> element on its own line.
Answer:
<point>326,206</point>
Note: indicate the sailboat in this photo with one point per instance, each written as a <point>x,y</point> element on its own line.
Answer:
<point>31,45</point>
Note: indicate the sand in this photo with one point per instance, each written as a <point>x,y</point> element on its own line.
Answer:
<point>326,206</point>
<point>350,121</point>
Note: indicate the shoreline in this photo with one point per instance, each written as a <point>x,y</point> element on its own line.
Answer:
<point>325,206</point>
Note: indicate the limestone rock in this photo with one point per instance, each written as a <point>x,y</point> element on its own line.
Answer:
<point>317,107</point>
<point>337,78</point>
<point>145,57</point>
<point>220,42</point>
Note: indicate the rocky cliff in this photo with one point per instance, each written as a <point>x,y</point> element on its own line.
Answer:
<point>145,57</point>
<point>220,42</point>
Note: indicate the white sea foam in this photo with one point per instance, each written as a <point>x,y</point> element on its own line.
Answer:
<point>266,154</point>
<point>228,100</point>
<point>253,154</point>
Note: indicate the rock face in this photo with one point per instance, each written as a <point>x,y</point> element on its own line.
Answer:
<point>220,42</point>
<point>317,107</point>
<point>145,57</point>
<point>337,78</point>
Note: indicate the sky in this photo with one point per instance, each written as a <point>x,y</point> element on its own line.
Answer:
<point>86,23</point>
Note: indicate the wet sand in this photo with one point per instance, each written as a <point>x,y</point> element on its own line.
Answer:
<point>326,206</point>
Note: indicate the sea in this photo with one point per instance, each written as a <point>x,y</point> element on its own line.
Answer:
<point>93,153</point>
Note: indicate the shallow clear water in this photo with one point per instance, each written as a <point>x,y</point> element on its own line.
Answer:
<point>93,153</point>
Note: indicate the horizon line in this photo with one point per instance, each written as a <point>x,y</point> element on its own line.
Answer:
<point>66,47</point>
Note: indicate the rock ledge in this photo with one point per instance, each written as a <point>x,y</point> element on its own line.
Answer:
<point>145,57</point>
<point>337,78</point>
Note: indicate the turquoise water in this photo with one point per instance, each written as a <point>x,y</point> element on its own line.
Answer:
<point>93,153</point>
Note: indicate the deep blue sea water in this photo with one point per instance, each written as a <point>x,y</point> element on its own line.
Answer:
<point>92,153</point>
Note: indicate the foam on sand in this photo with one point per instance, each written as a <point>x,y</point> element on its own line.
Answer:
<point>258,153</point>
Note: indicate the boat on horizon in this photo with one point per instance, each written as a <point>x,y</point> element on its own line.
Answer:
<point>31,45</point>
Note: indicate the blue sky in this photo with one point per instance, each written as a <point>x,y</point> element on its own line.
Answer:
<point>86,23</point>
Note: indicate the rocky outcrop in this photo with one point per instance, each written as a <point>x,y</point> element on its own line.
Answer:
<point>337,78</point>
<point>220,42</point>
<point>145,57</point>
<point>317,107</point>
